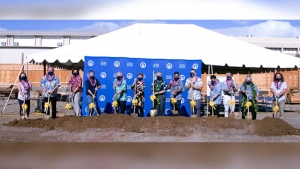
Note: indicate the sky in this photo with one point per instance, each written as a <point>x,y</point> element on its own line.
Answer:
<point>259,18</point>
<point>235,28</point>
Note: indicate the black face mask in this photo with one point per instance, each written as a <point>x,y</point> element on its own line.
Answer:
<point>75,73</point>
<point>228,77</point>
<point>176,78</point>
<point>119,77</point>
<point>140,79</point>
<point>92,77</point>
<point>158,77</point>
<point>248,83</point>
<point>192,74</point>
<point>23,78</point>
<point>278,79</point>
<point>50,73</point>
<point>213,82</point>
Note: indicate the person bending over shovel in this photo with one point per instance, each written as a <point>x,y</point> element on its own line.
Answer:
<point>248,88</point>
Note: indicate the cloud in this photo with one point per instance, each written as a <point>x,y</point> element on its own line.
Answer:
<point>105,27</point>
<point>98,27</point>
<point>2,29</point>
<point>280,29</point>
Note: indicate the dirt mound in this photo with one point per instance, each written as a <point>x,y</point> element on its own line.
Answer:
<point>274,127</point>
<point>166,126</point>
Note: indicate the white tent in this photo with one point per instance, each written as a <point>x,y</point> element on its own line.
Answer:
<point>168,41</point>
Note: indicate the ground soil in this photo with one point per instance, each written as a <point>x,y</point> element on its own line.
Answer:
<point>124,128</point>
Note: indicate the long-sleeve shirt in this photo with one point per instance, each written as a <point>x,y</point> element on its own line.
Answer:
<point>123,86</point>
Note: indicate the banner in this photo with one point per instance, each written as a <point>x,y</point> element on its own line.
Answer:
<point>105,69</point>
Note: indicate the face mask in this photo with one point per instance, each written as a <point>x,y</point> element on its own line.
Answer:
<point>92,77</point>
<point>158,77</point>
<point>23,78</point>
<point>192,74</point>
<point>213,82</point>
<point>278,79</point>
<point>119,77</point>
<point>75,74</point>
<point>140,79</point>
<point>228,77</point>
<point>50,73</point>
<point>248,82</point>
<point>176,78</point>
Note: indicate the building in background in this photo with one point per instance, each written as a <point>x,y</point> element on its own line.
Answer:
<point>14,43</point>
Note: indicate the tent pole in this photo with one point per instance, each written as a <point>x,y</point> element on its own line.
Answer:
<point>12,89</point>
<point>207,101</point>
<point>26,66</point>
<point>44,65</point>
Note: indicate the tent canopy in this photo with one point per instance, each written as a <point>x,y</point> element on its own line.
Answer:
<point>168,41</point>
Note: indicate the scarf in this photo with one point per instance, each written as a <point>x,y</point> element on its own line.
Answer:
<point>212,87</point>
<point>195,80</point>
<point>229,85</point>
<point>73,79</point>
<point>93,82</point>
<point>50,78</point>
<point>25,84</point>
<point>278,84</point>
<point>244,99</point>
<point>119,83</point>
<point>174,83</point>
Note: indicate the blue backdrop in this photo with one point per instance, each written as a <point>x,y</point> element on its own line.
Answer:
<point>105,69</point>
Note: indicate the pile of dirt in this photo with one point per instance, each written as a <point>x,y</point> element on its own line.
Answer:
<point>165,126</point>
<point>274,127</point>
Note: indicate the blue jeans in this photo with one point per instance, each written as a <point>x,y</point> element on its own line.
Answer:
<point>89,99</point>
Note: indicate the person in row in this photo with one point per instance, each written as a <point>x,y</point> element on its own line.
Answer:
<point>194,86</point>
<point>92,85</point>
<point>120,92</point>
<point>24,88</point>
<point>176,86</point>
<point>278,89</point>
<point>50,83</point>
<point>229,88</point>
<point>249,93</point>
<point>76,87</point>
<point>160,88</point>
<point>139,86</point>
<point>215,94</point>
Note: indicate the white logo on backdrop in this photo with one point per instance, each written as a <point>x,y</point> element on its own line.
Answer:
<point>129,75</point>
<point>102,109</point>
<point>102,98</point>
<point>103,75</point>
<point>143,65</point>
<point>182,100</point>
<point>116,63</point>
<point>129,64</point>
<point>168,100</point>
<point>103,63</point>
<point>156,65</point>
<point>182,77</point>
<point>128,87</point>
<point>103,86</point>
<point>169,90</point>
<point>129,99</point>
<point>195,66</point>
<point>181,66</point>
<point>168,76</point>
<point>90,63</point>
<point>115,75</point>
<point>86,110</point>
<point>169,66</point>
